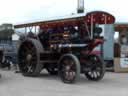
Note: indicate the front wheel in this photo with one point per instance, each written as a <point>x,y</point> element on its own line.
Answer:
<point>69,68</point>
<point>96,68</point>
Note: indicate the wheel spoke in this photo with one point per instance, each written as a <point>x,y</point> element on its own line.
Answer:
<point>95,75</point>
<point>30,69</point>
<point>98,73</point>
<point>69,75</point>
<point>92,75</point>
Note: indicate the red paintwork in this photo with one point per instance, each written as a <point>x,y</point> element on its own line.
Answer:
<point>96,43</point>
<point>99,17</point>
<point>60,24</point>
<point>92,45</point>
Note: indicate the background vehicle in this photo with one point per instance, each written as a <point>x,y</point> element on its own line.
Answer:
<point>7,46</point>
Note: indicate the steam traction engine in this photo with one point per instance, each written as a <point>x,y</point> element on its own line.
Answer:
<point>65,47</point>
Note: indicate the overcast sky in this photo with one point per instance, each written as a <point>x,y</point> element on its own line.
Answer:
<point>16,11</point>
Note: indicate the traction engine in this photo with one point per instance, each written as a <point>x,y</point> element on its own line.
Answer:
<point>64,47</point>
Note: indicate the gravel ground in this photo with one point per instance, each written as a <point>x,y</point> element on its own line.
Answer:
<point>14,84</point>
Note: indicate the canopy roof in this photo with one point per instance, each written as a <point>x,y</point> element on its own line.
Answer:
<point>121,27</point>
<point>95,17</point>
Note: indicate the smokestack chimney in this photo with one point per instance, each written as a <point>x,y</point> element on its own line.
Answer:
<point>80,6</point>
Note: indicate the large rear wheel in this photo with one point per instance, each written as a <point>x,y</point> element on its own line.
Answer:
<point>69,68</point>
<point>29,57</point>
<point>96,68</point>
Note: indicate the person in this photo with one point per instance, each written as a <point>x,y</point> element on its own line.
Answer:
<point>123,39</point>
<point>4,62</point>
<point>31,35</point>
<point>1,55</point>
<point>74,34</point>
<point>22,37</point>
<point>44,38</point>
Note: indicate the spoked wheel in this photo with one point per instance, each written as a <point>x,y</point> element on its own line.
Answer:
<point>69,68</point>
<point>96,69</point>
<point>29,57</point>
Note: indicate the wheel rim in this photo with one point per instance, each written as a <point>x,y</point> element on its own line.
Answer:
<point>27,58</point>
<point>68,70</point>
<point>96,69</point>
